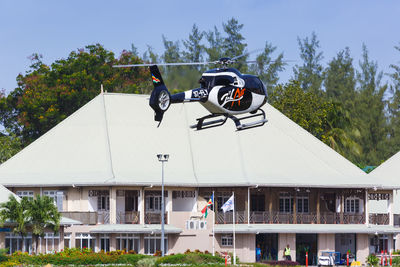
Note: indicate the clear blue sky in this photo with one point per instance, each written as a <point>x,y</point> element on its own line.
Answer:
<point>55,28</point>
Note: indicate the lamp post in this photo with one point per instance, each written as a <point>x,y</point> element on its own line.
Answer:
<point>162,158</point>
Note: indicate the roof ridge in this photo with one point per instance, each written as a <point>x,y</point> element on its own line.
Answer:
<point>108,140</point>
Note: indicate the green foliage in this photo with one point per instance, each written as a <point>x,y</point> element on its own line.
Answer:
<point>10,145</point>
<point>191,258</point>
<point>147,262</point>
<point>310,73</point>
<point>80,257</point>
<point>16,212</point>
<point>372,260</point>
<point>48,94</point>
<point>3,254</point>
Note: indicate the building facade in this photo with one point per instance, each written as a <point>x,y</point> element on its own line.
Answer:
<point>100,167</point>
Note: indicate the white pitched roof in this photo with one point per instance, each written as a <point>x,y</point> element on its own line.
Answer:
<point>5,194</point>
<point>388,173</point>
<point>114,140</point>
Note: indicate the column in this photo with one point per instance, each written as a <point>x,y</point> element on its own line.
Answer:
<point>390,243</point>
<point>141,201</point>
<point>362,247</point>
<point>246,205</point>
<point>113,205</point>
<point>390,209</point>
<point>341,208</point>
<point>270,206</point>
<point>294,208</point>
<point>168,206</point>
<point>366,211</point>
<point>318,208</point>
<point>113,242</point>
<point>61,240</point>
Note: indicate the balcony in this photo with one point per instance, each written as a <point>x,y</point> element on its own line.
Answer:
<point>155,218</point>
<point>88,217</point>
<point>379,218</point>
<point>289,218</point>
<point>128,217</point>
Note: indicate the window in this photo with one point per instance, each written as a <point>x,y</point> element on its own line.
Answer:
<point>222,197</point>
<point>302,203</point>
<point>153,200</point>
<point>104,242</point>
<point>227,240</point>
<point>131,200</point>
<point>67,240</point>
<point>14,243</point>
<point>28,194</point>
<point>152,243</point>
<point>85,240</point>
<point>57,197</point>
<point>352,205</point>
<point>103,202</point>
<point>128,242</point>
<point>51,242</point>
<point>285,202</point>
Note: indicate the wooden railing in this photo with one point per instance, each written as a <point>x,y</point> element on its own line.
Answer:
<point>289,218</point>
<point>128,217</point>
<point>155,218</point>
<point>88,217</point>
<point>379,218</point>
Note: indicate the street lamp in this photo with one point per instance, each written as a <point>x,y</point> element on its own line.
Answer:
<point>162,158</point>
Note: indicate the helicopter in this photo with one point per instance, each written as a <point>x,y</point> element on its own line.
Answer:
<point>223,91</point>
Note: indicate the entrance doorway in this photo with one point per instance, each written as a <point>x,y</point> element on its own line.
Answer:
<point>304,243</point>
<point>269,246</point>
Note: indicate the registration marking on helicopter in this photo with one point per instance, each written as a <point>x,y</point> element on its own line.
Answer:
<point>200,93</point>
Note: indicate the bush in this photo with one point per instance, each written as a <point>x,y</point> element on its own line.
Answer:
<point>191,258</point>
<point>147,262</point>
<point>3,254</point>
<point>281,263</point>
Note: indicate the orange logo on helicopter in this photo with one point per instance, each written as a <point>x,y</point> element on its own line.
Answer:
<point>238,96</point>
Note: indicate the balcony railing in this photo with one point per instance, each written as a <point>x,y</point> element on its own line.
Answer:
<point>379,218</point>
<point>88,217</point>
<point>128,217</point>
<point>289,218</point>
<point>154,218</point>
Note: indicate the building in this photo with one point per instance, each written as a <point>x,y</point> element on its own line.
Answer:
<point>100,166</point>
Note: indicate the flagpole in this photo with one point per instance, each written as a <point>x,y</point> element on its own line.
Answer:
<point>234,241</point>
<point>213,227</point>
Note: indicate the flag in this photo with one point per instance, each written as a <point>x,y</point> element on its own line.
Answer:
<point>228,205</point>
<point>208,206</point>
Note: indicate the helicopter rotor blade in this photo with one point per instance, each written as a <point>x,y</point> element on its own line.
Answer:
<point>163,64</point>
<point>247,53</point>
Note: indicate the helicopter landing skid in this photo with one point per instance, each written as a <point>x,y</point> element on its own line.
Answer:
<point>243,126</point>
<point>203,124</point>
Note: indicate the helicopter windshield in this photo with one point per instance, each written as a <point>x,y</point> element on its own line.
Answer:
<point>206,82</point>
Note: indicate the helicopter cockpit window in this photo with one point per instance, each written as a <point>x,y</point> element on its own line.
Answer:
<point>224,80</point>
<point>206,82</point>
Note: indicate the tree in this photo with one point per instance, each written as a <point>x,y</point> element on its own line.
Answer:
<point>214,49</point>
<point>10,145</point>
<point>322,118</point>
<point>394,110</point>
<point>43,215</point>
<point>310,73</point>
<point>15,212</point>
<point>266,68</point>
<point>48,94</point>
<point>194,48</point>
<point>369,113</point>
<point>233,44</point>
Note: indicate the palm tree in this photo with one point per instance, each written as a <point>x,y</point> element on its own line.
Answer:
<point>15,212</point>
<point>43,215</point>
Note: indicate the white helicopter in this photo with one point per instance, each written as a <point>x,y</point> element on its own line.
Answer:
<point>224,92</point>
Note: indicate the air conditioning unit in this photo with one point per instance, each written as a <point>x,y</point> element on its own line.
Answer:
<point>202,225</point>
<point>191,224</point>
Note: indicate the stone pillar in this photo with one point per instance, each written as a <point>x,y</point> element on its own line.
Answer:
<point>390,243</point>
<point>270,207</point>
<point>283,240</point>
<point>141,201</point>
<point>362,247</point>
<point>326,242</point>
<point>61,240</point>
<point>113,242</point>
<point>113,205</point>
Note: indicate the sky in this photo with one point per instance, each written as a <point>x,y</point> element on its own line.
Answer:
<point>55,28</point>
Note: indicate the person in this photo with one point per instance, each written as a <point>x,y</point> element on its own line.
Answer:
<point>258,253</point>
<point>286,253</point>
